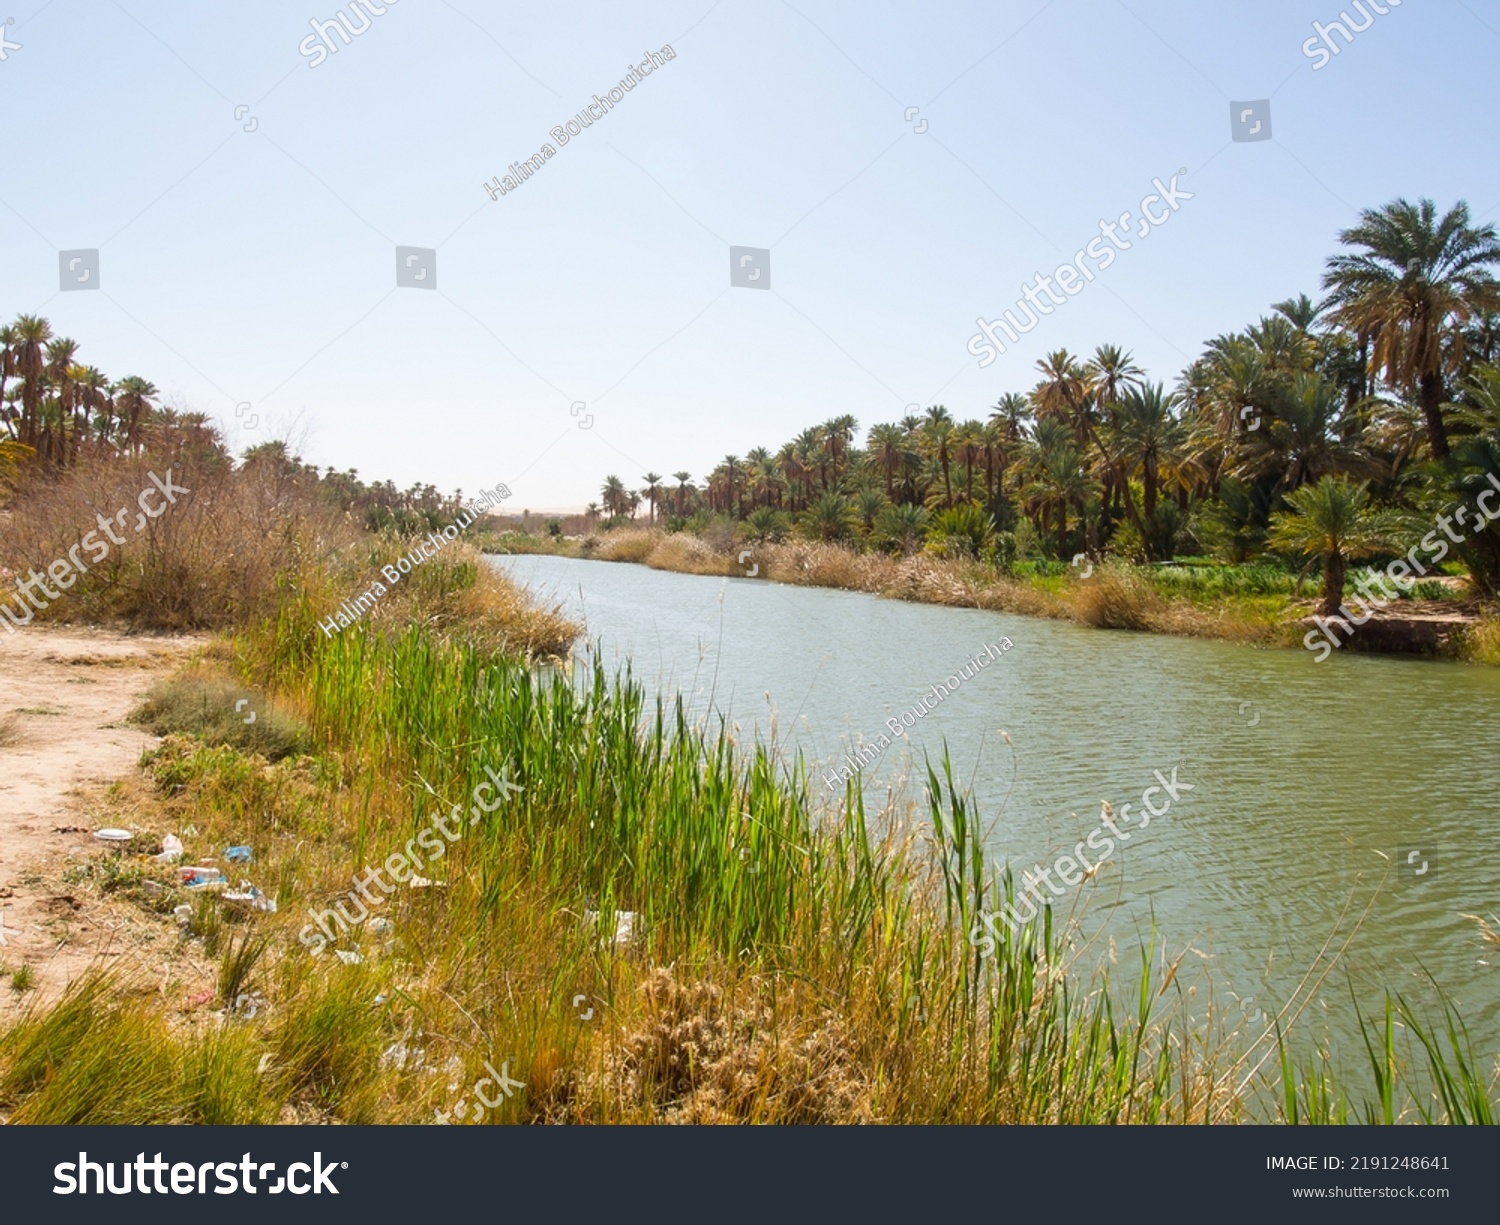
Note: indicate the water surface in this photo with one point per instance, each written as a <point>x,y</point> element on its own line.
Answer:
<point>1318,789</point>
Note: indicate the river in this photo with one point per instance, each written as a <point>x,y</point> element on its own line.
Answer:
<point>1361,785</point>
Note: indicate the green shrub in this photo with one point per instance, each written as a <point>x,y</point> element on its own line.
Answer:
<point>216,712</point>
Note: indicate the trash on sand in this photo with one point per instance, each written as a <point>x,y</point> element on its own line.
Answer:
<point>625,921</point>
<point>171,849</point>
<point>248,896</point>
<point>382,926</point>
<point>348,956</point>
<point>184,914</point>
<point>194,1001</point>
<point>198,878</point>
<point>237,854</point>
<point>113,835</point>
<point>421,882</point>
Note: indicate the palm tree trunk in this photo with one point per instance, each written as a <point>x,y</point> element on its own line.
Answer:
<point>1333,584</point>
<point>1431,389</point>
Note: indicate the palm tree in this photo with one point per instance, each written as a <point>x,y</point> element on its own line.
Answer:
<point>9,339</point>
<point>1413,290</point>
<point>612,494</point>
<point>831,517</point>
<point>1331,520</point>
<point>1108,373</point>
<point>59,374</point>
<point>1147,436</point>
<point>901,528</point>
<point>937,431</point>
<point>731,466</point>
<point>888,451</point>
<point>1051,477</point>
<point>968,445</point>
<point>652,492</point>
<point>682,479</point>
<point>31,334</point>
<point>1063,394</point>
<point>1302,438</point>
<point>868,503</point>
<point>1301,312</point>
<point>807,450</point>
<point>836,434</point>
<point>133,396</point>
<point>93,401</point>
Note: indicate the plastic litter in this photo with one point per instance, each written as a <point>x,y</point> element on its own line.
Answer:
<point>382,926</point>
<point>237,854</point>
<point>171,849</point>
<point>398,1055</point>
<point>113,835</point>
<point>201,878</point>
<point>625,921</point>
<point>247,896</point>
<point>348,956</point>
<point>184,914</point>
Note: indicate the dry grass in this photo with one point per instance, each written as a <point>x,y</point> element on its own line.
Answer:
<point>214,560</point>
<point>457,595</point>
<point>686,554</point>
<point>691,1054</point>
<point>633,545</point>
<point>1114,597</point>
<point>1480,643</point>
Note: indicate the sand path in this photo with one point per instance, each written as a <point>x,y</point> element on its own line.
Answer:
<point>64,694</point>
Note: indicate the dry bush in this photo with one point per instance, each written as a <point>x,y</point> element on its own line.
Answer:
<point>695,1057</point>
<point>816,564</point>
<point>492,611</point>
<point>1115,599</point>
<point>1480,642</point>
<point>219,557</point>
<point>626,544</point>
<point>687,554</point>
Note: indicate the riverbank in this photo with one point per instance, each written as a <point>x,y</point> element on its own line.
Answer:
<point>1256,605</point>
<point>644,924</point>
<point>415,854</point>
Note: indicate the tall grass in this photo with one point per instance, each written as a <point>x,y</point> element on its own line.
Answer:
<point>789,963</point>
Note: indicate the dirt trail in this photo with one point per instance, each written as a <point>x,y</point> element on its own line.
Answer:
<point>64,694</point>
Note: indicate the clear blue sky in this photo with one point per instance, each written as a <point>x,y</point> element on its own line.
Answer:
<point>260,266</point>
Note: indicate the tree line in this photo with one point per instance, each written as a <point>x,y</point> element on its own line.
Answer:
<point>1383,395</point>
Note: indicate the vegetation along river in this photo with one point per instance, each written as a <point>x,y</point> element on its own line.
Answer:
<point>1362,785</point>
